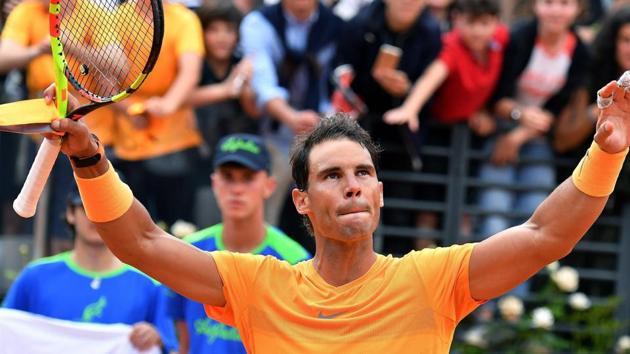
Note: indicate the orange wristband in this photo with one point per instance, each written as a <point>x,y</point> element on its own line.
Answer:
<point>597,172</point>
<point>106,197</point>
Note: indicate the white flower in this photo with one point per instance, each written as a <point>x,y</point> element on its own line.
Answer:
<point>182,228</point>
<point>542,318</point>
<point>579,301</point>
<point>553,267</point>
<point>511,308</point>
<point>475,337</point>
<point>566,278</point>
<point>623,344</point>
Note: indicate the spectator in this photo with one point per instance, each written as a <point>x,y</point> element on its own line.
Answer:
<point>441,10</point>
<point>467,70</point>
<point>292,45</point>
<point>547,65</point>
<point>157,147</point>
<point>89,284</point>
<point>409,26</point>
<point>9,144</point>
<point>25,44</point>
<point>611,57</point>
<point>224,101</point>
<point>242,183</point>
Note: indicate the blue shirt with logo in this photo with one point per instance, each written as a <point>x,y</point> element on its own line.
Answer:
<point>57,287</point>
<point>207,335</point>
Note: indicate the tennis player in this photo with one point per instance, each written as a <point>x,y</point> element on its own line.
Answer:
<point>349,298</point>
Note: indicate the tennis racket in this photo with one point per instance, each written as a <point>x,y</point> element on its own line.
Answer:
<point>105,49</point>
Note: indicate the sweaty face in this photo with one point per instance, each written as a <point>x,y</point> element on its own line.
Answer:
<point>344,196</point>
<point>221,38</point>
<point>240,191</point>
<point>622,47</point>
<point>556,16</point>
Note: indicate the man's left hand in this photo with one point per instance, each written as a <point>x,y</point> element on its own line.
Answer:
<point>613,124</point>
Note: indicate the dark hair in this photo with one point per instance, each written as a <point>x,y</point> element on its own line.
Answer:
<point>477,8</point>
<point>218,10</point>
<point>335,127</point>
<point>73,201</point>
<point>605,65</point>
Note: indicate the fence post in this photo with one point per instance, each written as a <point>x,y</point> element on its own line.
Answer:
<point>456,188</point>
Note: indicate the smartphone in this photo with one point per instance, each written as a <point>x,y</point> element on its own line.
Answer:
<point>388,58</point>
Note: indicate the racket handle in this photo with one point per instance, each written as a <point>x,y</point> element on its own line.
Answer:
<point>25,204</point>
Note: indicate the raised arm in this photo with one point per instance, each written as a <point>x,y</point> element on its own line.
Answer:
<point>17,56</point>
<point>508,258</point>
<point>127,228</point>
<point>422,90</point>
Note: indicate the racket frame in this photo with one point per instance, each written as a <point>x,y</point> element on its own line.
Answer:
<point>25,204</point>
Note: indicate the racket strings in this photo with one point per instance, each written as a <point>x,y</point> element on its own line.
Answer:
<point>107,43</point>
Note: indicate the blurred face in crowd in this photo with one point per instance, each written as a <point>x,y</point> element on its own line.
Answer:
<point>622,47</point>
<point>245,6</point>
<point>402,14</point>
<point>556,16</point>
<point>301,9</point>
<point>241,192</point>
<point>344,196</point>
<point>221,38</point>
<point>476,31</point>
<point>84,229</point>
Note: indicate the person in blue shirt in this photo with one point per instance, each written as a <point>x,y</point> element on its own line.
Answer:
<point>241,182</point>
<point>89,284</point>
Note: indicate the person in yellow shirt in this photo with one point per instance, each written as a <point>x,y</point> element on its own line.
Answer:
<point>25,44</point>
<point>349,298</point>
<point>157,147</point>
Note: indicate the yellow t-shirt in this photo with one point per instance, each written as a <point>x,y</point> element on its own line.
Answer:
<point>401,305</point>
<point>182,35</point>
<point>27,25</point>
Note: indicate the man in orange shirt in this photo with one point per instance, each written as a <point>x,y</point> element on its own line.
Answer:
<point>349,298</point>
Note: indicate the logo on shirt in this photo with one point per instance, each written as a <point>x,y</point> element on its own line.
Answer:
<point>213,330</point>
<point>94,310</point>
<point>328,317</point>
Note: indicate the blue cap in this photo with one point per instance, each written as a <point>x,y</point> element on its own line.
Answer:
<point>243,149</point>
